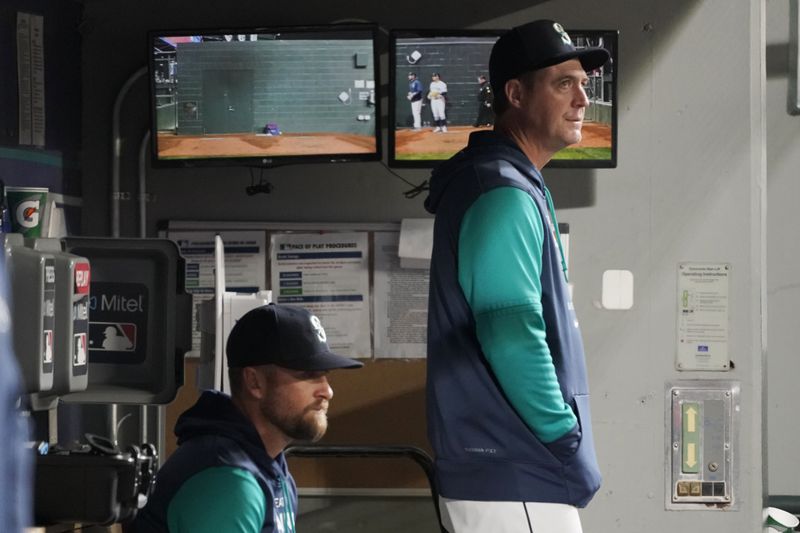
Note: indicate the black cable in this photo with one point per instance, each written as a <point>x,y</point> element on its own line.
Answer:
<point>416,189</point>
<point>265,187</point>
<point>262,186</point>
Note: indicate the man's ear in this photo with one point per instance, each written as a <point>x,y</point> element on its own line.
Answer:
<point>513,89</point>
<point>254,382</point>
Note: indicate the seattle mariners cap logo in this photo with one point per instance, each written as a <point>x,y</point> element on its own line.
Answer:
<point>564,36</point>
<point>320,331</point>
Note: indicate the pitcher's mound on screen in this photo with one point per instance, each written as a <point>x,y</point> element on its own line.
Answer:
<point>258,145</point>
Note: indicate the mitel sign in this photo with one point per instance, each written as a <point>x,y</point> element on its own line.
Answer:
<point>118,314</point>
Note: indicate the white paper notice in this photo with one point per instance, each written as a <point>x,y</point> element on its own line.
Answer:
<point>703,310</point>
<point>245,265</point>
<point>328,274</point>
<point>30,78</point>
<point>401,302</point>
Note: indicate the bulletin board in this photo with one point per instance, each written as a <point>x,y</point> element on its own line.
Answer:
<point>382,403</point>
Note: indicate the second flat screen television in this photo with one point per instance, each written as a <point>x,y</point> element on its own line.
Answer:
<point>264,96</point>
<point>460,58</point>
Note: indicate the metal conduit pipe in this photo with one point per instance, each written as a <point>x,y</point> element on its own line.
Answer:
<point>116,147</point>
<point>147,411</point>
<point>143,185</point>
<point>116,154</point>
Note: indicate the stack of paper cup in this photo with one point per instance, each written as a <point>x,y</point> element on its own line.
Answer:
<point>779,520</point>
<point>26,205</point>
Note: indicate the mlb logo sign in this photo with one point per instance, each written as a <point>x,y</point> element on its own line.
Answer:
<point>79,350</point>
<point>47,355</point>
<point>112,336</point>
<point>81,278</point>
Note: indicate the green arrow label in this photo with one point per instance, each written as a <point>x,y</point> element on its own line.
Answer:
<point>690,414</point>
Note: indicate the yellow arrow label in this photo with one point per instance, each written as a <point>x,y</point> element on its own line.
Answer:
<point>691,455</point>
<point>691,428</point>
<point>691,420</point>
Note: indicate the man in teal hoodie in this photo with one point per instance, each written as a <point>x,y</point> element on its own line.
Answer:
<point>507,392</point>
<point>229,473</point>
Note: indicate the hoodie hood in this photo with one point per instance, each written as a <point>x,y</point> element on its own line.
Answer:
<point>215,414</point>
<point>484,147</point>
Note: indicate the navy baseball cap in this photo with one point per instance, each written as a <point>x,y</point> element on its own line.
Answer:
<point>536,45</point>
<point>286,336</point>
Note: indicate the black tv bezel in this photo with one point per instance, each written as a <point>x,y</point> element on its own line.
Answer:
<point>371,29</point>
<point>433,33</point>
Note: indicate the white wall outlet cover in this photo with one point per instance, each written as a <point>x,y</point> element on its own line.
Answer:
<point>617,289</point>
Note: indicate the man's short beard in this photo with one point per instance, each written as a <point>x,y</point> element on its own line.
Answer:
<point>307,426</point>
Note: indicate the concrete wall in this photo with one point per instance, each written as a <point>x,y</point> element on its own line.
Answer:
<point>690,186</point>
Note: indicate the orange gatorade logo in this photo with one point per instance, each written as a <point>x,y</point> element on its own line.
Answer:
<point>28,214</point>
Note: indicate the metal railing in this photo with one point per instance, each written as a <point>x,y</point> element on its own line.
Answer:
<point>376,452</point>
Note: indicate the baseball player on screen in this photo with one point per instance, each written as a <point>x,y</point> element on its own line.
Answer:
<point>415,97</point>
<point>437,94</point>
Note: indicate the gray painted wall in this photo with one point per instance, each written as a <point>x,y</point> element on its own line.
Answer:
<point>783,252</point>
<point>690,186</point>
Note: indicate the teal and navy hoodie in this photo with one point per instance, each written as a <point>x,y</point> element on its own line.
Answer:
<point>220,478</point>
<point>507,393</point>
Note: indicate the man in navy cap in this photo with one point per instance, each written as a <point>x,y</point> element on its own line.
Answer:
<point>507,391</point>
<point>229,473</point>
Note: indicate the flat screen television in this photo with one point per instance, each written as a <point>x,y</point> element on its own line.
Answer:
<point>264,96</point>
<point>460,57</point>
